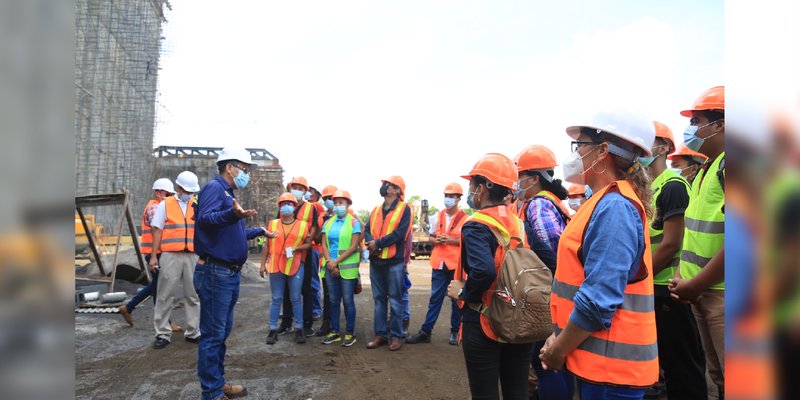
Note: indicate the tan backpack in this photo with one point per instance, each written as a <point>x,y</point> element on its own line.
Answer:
<point>520,308</point>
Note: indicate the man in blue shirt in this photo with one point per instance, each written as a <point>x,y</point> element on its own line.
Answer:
<point>220,240</point>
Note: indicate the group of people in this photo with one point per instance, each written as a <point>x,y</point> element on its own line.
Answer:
<point>638,265</point>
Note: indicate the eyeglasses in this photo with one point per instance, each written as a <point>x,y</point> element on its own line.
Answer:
<point>576,144</point>
<point>243,169</point>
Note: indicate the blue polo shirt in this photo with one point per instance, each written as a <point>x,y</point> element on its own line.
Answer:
<point>218,232</point>
<point>336,229</point>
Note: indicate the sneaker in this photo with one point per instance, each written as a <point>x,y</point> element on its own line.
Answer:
<point>331,338</point>
<point>349,340</point>
<point>160,343</point>
<point>325,329</point>
<point>299,336</point>
<point>284,328</point>
<point>272,338</point>
<point>453,339</point>
<point>309,331</point>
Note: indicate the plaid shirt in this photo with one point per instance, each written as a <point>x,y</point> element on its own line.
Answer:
<point>546,221</point>
<point>148,215</point>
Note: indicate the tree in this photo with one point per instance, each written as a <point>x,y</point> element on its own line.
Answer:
<point>363,216</point>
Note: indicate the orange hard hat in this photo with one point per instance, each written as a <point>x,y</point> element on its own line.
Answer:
<point>300,181</point>
<point>663,131</point>
<point>397,181</point>
<point>711,99</point>
<point>687,152</point>
<point>495,167</point>
<point>535,157</point>
<point>287,197</point>
<point>577,190</point>
<point>342,194</point>
<point>329,190</point>
<point>453,188</point>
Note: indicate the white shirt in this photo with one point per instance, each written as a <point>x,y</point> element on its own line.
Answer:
<point>160,216</point>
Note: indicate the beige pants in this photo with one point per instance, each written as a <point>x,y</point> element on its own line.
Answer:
<point>176,269</point>
<point>709,311</point>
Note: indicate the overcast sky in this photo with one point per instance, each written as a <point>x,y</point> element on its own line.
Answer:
<point>350,92</point>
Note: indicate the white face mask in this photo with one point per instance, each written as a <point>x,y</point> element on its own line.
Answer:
<point>573,168</point>
<point>574,203</point>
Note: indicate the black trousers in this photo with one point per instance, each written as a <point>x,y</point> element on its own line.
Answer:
<point>680,352</point>
<point>326,301</point>
<point>489,361</point>
<point>310,266</point>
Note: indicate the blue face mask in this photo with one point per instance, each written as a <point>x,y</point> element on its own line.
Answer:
<point>185,197</point>
<point>298,194</point>
<point>329,204</point>
<point>340,211</point>
<point>241,180</point>
<point>307,196</point>
<point>287,209</point>
<point>471,200</point>
<point>588,192</point>
<point>449,202</point>
<point>690,138</point>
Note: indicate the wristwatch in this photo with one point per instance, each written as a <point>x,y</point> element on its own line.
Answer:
<point>459,292</point>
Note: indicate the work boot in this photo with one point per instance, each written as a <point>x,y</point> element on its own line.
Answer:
<point>405,328</point>
<point>160,343</point>
<point>376,342</point>
<point>234,391</point>
<point>453,339</point>
<point>420,337</point>
<point>272,337</point>
<point>395,344</point>
<point>299,336</point>
<point>324,329</point>
<point>126,315</point>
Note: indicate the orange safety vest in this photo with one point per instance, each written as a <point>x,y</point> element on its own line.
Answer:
<point>522,211</point>
<point>147,231</point>
<point>627,353</point>
<point>500,219</point>
<point>278,261</point>
<point>380,226</point>
<point>320,211</point>
<point>445,252</point>
<point>178,232</point>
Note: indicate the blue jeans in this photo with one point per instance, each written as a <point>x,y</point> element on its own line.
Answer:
<point>553,385</point>
<point>342,290</point>
<point>440,278</point>
<point>406,300</point>
<point>150,290</point>
<point>592,391</point>
<point>316,287</point>
<point>277,284</point>
<point>218,290</point>
<point>387,290</point>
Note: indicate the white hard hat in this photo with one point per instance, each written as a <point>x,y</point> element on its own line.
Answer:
<point>164,184</point>
<point>238,154</point>
<point>188,181</point>
<point>633,128</point>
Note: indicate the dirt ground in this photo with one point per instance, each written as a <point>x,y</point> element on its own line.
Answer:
<point>115,361</point>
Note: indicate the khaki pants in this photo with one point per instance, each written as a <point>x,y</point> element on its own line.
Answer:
<point>176,269</point>
<point>709,311</point>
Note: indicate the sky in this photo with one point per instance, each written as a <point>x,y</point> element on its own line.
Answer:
<point>350,92</point>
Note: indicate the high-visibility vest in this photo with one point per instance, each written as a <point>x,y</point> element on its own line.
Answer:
<point>627,353</point>
<point>784,187</point>
<point>320,211</point>
<point>522,213</point>
<point>657,235</point>
<point>447,252</point>
<point>704,219</point>
<point>178,232</point>
<point>381,226</point>
<point>147,231</point>
<point>348,268</point>
<point>278,261</point>
<point>503,220</point>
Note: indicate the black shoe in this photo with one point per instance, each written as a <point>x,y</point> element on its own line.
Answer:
<point>420,337</point>
<point>325,329</point>
<point>194,340</point>
<point>272,337</point>
<point>453,339</point>
<point>405,327</point>
<point>285,328</point>
<point>160,343</point>
<point>300,336</point>
<point>308,331</point>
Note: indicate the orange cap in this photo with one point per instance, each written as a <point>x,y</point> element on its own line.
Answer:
<point>711,99</point>
<point>453,188</point>
<point>577,190</point>
<point>687,152</point>
<point>397,181</point>
<point>329,190</point>
<point>535,157</point>
<point>287,197</point>
<point>343,194</point>
<point>300,181</point>
<point>663,131</point>
<point>495,167</point>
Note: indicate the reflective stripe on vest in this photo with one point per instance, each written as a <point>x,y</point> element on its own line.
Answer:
<point>178,232</point>
<point>147,231</point>
<point>626,354</point>
<point>379,227</point>
<point>345,240</point>
<point>704,234</point>
<point>657,235</point>
<point>278,262</point>
<point>448,253</point>
<point>305,213</point>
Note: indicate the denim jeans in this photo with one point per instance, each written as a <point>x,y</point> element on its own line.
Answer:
<point>277,284</point>
<point>150,290</point>
<point>316,287</point>
<point>218,290</point>
<point>406,298</point>
<point>593,391</point>
<point>489,361</point>
<point>310,264</point>
<point>387,292</point>
<point>342,290</point>
<point>553,385</point>
<point>440,278</point>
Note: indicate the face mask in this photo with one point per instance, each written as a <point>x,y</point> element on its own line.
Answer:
<point>329,204</point>
<point>471,200</point>
<point>677,171</point>
<point>241,180</point>
<point>690,138</point>
<point>307,196</point>
<point>574,203</point>
<point>646,161</point>
<point>520,194</point>
<point>287,209</point>
<point>573,168</point>
<point>449,202</point>
<point>588,192</point>
<point>298,194</point>
<point>340,211</point>
<point>185,197</point>
<point>384,189</point>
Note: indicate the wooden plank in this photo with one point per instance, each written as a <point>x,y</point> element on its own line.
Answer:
<point>122,218</point>
<point>135,240</point>
<point>92,243</point>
